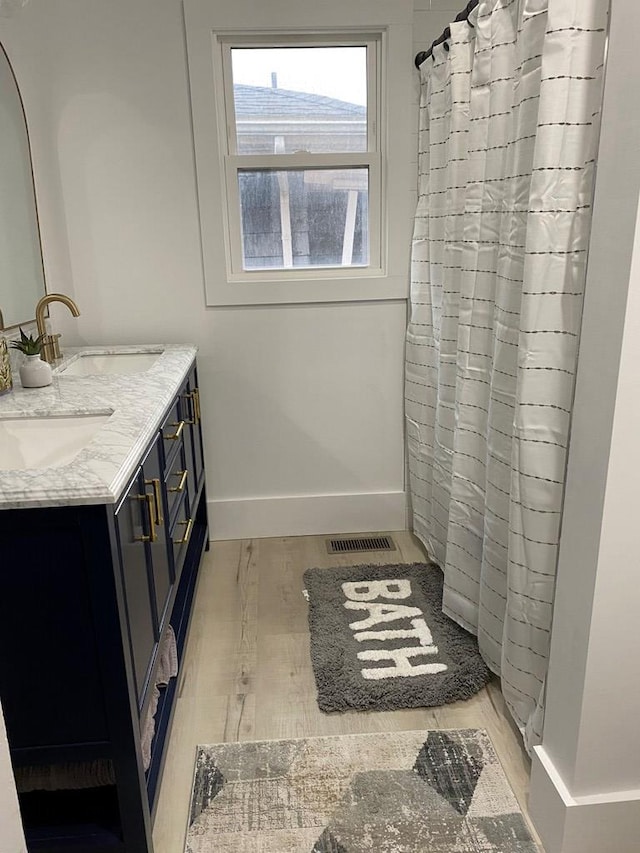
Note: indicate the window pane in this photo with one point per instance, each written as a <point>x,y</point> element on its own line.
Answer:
<point>300,99</point>
<point>305,218</point>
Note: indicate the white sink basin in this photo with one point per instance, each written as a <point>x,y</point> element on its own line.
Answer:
<point>111,363</point>
<point>45,442</point>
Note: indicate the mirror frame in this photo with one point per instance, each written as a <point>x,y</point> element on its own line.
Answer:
<point>35,198</point>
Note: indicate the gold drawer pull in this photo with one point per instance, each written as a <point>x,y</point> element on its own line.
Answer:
<point>148,499</point>
<point>177,433</point>
<point>187,532</point>
<point>196,400</point>
<point>183,479</point>
<point>155,482</point>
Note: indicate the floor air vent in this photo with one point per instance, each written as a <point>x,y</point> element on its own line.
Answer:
<point>355,544</point>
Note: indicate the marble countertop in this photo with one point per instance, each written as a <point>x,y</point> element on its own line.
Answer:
<point>136,404</point>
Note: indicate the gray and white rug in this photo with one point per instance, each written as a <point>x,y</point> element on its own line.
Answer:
<point>407,792</point>
<point>379,640</point>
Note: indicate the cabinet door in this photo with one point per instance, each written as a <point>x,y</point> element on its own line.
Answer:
<point>156,504</point>
<point>132,530</point>
<point>191,414</point>
<point>49,665</point>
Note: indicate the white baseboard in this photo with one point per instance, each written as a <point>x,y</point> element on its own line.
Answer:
<point>307,515</point>
<point>601,822</point>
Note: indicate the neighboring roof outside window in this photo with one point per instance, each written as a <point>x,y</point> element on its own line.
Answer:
<point>254,100</point>
<point>271,120</point>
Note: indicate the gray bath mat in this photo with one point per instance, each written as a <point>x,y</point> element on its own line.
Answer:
<point>379,640</point>
<point>407,792</point>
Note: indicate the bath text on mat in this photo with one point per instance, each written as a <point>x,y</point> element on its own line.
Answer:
<point>377,598</point>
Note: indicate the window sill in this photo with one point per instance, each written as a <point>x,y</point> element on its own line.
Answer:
<point>300,291</point>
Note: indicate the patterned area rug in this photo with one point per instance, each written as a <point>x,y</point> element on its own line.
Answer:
<point>380,641</point>
<point>408,792</point>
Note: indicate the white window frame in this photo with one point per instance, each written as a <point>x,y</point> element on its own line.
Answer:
<point>212,23</point>
<point>371,158</point>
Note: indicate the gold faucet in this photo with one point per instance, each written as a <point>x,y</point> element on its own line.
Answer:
<point>50,345</point>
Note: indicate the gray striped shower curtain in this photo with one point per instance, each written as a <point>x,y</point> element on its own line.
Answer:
<point>508,140</point>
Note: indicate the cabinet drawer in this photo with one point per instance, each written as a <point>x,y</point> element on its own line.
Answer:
<point>172,429</point>
<point>177,480</point>
<point>181,532</point>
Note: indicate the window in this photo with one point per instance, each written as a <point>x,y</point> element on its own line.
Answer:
<point>304,148</point>
<point>302,161</point>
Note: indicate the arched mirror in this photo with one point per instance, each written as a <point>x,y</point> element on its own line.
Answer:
<point>21,270</point>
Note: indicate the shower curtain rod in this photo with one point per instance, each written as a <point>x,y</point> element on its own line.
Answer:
<point>461,16</point>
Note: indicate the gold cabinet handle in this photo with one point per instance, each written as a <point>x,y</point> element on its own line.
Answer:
<point>148,499</point>
<point>177,433</point>
<point>155,482</point>
<point>183,479</point>
<point>187,532</point>
<point>152,518</point>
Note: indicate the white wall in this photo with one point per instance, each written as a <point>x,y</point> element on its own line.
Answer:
<point>299,400</point>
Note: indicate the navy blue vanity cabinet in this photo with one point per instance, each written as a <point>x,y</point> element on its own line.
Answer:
<point>87,593</point>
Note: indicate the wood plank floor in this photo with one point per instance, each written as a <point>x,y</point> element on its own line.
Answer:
<point>247,671</point>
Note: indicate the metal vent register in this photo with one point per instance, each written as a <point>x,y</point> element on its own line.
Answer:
<point>352,544</point>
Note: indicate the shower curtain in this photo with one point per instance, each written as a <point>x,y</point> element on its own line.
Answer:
<point>508,139</point>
